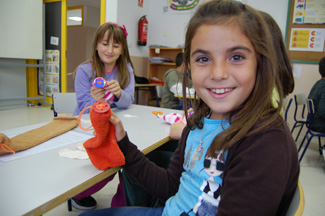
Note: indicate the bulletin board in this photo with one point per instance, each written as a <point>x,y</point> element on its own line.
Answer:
<point>305,37</point>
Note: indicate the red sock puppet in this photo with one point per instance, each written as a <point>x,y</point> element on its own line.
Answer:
<point>103,150</point>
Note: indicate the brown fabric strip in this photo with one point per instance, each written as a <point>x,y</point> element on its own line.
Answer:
<point>57,126</point>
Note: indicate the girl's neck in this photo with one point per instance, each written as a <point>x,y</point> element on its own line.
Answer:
<point>109,68</point>
<point>215,115</point>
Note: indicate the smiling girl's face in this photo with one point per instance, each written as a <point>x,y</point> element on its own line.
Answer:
<point>108,51</point>
<point>223,67</point>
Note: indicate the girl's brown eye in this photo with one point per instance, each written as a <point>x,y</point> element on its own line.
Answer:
<point>202,59</point>
<point>237,58</point>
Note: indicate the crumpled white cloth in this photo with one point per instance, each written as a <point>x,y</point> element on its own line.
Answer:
<point>130,116</point>
<point>80,153</point>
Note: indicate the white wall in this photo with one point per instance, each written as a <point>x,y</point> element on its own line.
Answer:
<point>169,29</point>
<point>278,9</point>
<point>111,11</point>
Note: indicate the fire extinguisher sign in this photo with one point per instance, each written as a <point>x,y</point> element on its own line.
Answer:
<point>140,3</point>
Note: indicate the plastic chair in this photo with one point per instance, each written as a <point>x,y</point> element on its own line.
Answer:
<point>300,102</point>
<point>64,103</point>
<point>310,133</point>
<point>297,204</point>
<point>286,106</point>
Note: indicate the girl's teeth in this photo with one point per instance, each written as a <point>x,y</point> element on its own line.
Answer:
<point>220,91</point>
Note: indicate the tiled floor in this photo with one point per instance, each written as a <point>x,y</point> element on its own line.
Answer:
<point>312,176</point>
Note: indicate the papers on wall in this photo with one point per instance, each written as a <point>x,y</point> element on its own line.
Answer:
<point>309,12</point>
<point>307,39</point>
<point>297,69</point>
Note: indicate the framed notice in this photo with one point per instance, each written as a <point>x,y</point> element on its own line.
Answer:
<point>305,35</point>
<point>305,39</point>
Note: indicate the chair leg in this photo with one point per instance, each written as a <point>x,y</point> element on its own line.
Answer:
<point>320,146</point>
<point>293,127</point>
<point>299,132</point>
<point>303,153</point>
<point>69,205</point>
<point>302,142</point>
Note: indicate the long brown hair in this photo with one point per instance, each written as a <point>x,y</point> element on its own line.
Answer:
<point>118,35</point>
<point>284,67</point>
<point>243,120</point>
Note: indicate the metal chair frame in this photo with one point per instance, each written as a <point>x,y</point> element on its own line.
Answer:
<point>300,100</point>
<point>287,103</point>
<point>310,133</point>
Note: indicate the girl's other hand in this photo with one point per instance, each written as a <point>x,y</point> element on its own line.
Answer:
<point>190,111</point>
<point>176,130</point>
<point>114,87</point>
<point>97,93</point>
<point>119,129</point>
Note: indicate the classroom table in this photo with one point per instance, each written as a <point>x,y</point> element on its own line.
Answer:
<point>35,184</point>
<point>179,96</point>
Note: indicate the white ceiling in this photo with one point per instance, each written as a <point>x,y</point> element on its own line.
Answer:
<point>91,3</point>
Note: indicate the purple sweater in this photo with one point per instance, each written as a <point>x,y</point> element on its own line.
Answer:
<point>82,87</point>
<point>260,174</point>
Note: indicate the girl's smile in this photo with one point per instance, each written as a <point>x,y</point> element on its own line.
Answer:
<point>224,73</point>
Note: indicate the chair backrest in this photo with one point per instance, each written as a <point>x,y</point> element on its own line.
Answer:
<point>286,106</point>
<point>300,100</point>
<point>64,103</point>
<point>297,204</point>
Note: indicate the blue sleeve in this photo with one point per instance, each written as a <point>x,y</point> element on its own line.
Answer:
<point>127,94</point>
<point>82,87</point>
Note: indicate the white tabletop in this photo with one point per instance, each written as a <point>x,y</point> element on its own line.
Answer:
<point>35,184</point>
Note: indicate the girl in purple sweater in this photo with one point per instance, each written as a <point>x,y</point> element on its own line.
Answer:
<point>110,60</point>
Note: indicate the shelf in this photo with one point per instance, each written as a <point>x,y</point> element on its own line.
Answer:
<point>158,69</point>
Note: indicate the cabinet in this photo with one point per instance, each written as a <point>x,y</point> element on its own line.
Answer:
<point>158,69</point>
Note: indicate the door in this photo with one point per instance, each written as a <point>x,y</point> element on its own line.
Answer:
<point>80,36</point>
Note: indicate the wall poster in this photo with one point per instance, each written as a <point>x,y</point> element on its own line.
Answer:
<point>309,12</point>
<point>305,39</point>
<point>51,81</point>
<point>177,6</point>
